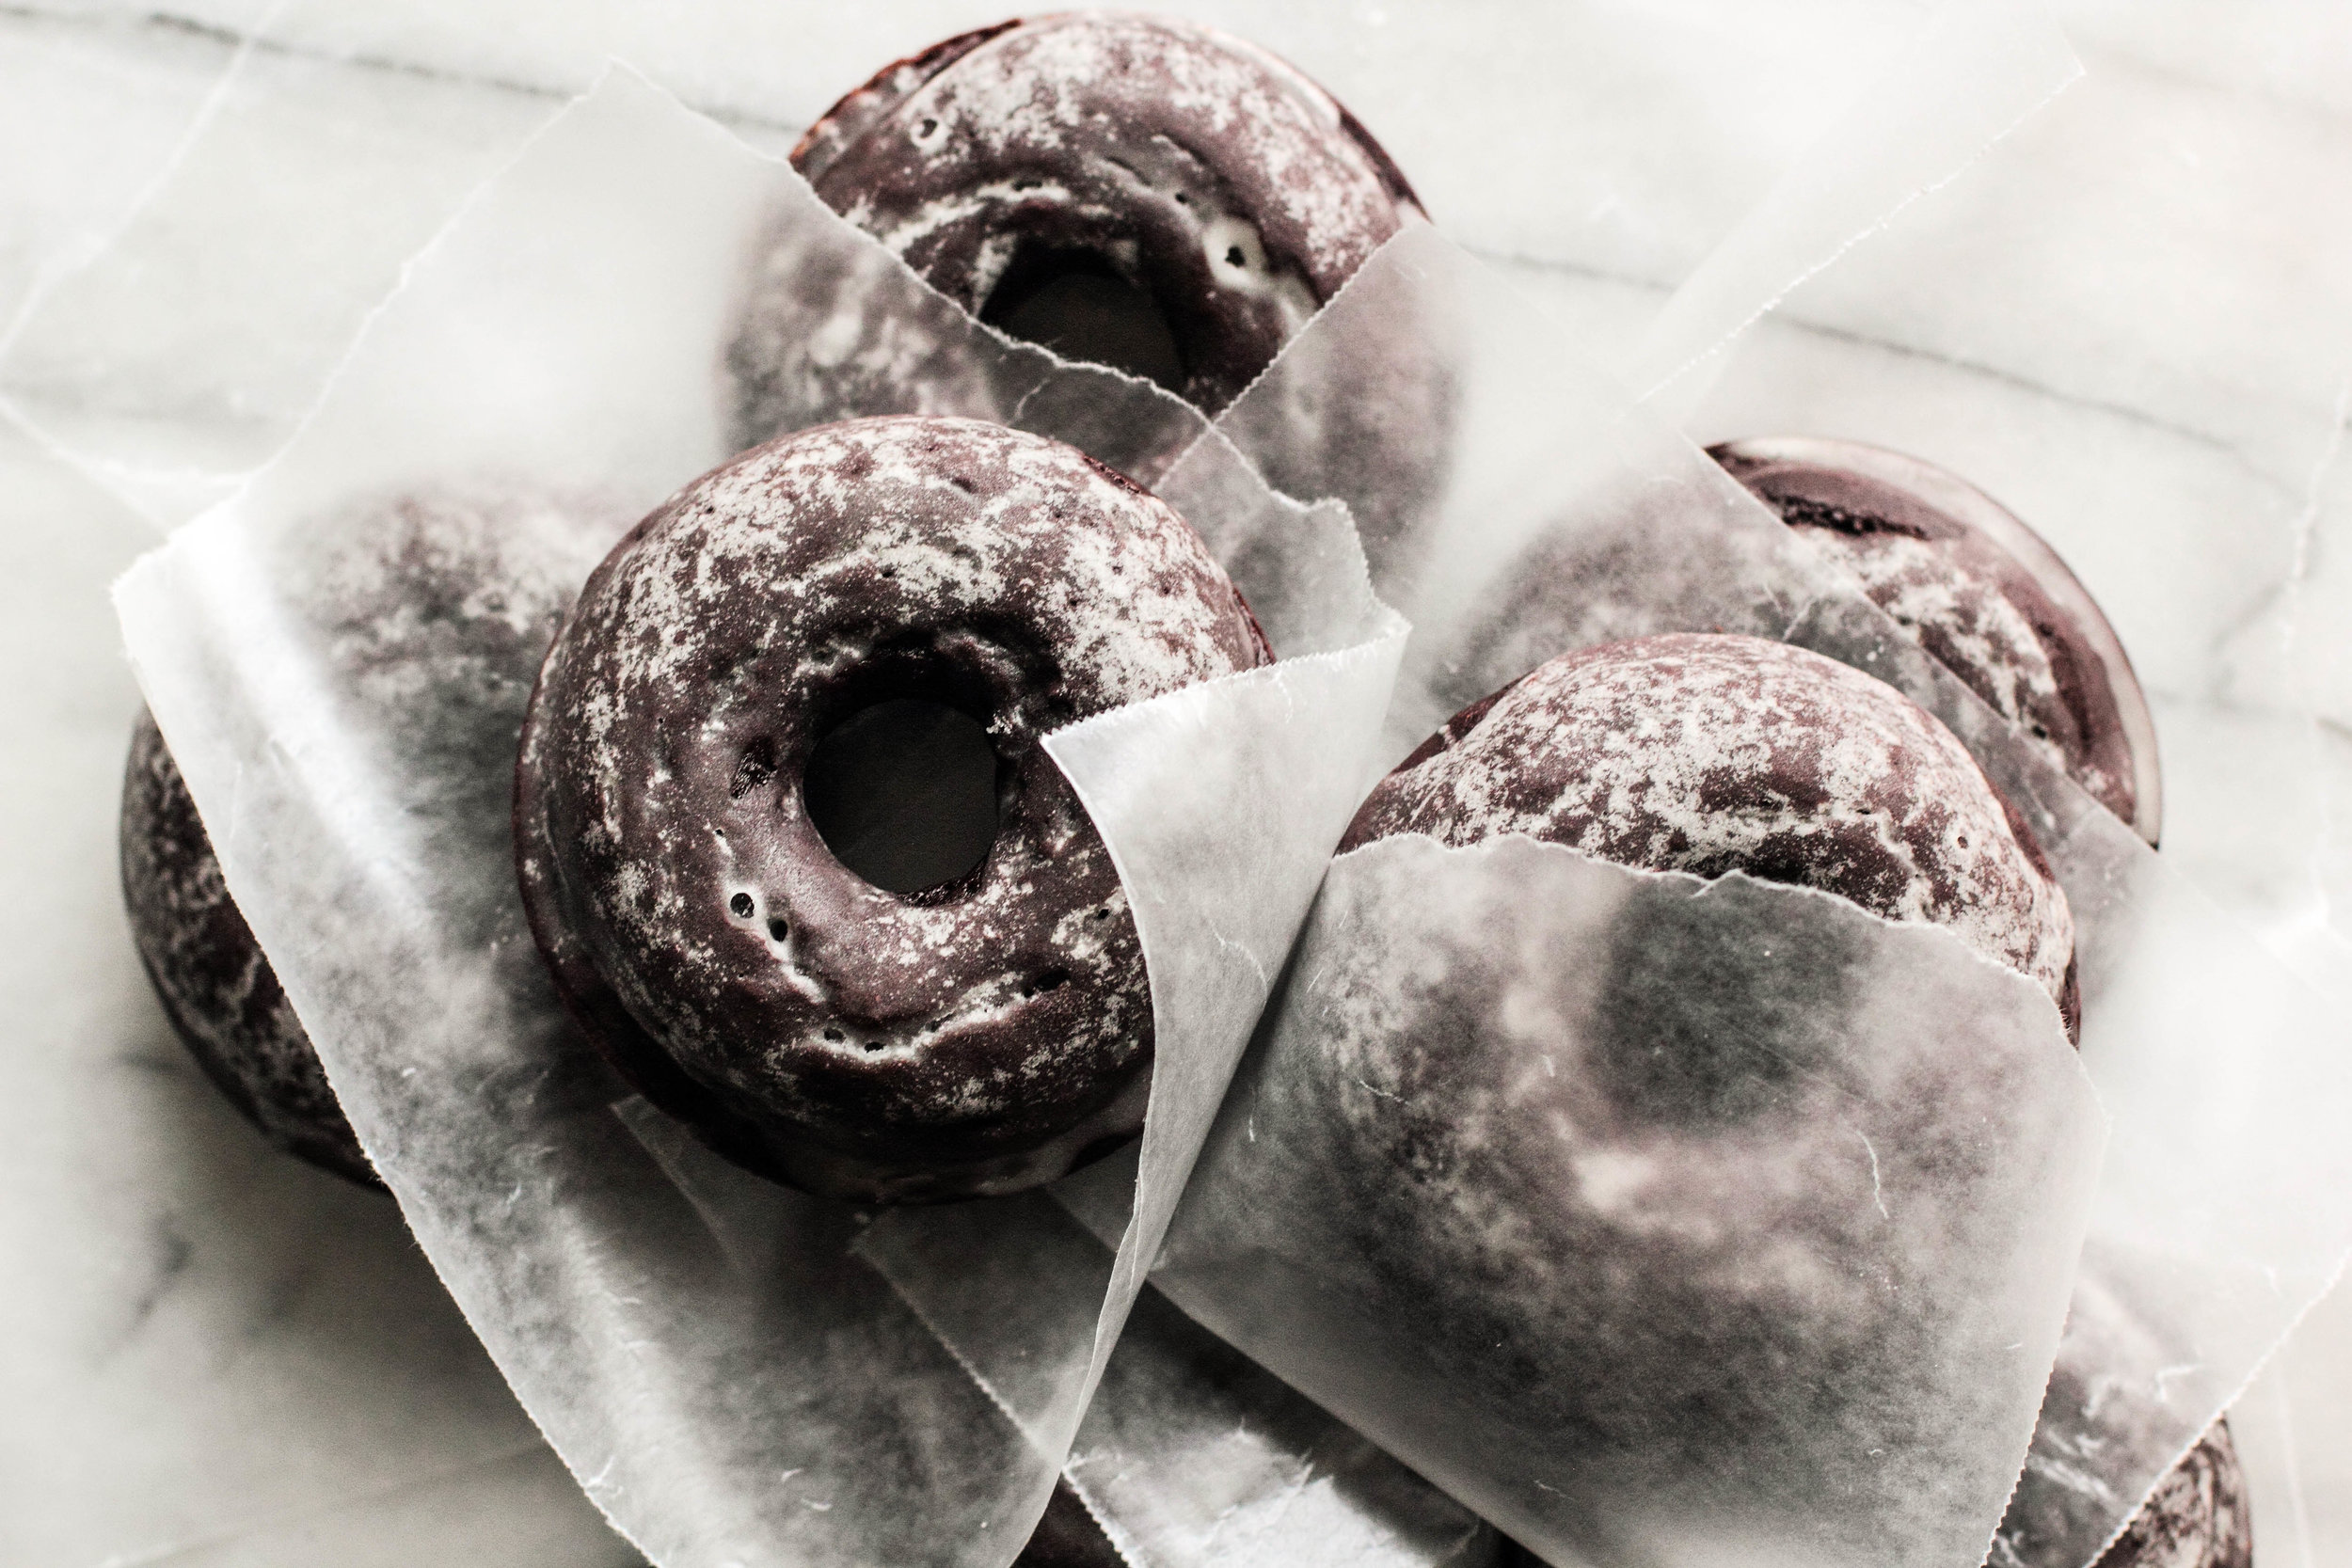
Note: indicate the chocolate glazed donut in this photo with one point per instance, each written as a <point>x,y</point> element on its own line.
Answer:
<point>1983,594</point>
<point>970,1037</point>
<point>1712,754</point>
<point>1132,190</point>
<point>216,986</point>
<point>1801,770</point>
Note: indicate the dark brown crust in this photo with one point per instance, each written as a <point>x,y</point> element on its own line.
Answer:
<point>217,989</point>
<point>1068,1537</point>
<point>2198,1516</point>
<point>971,1039</point>
<point>1160,148</point>
<point>1711,753</point>
<point>1971,604</point>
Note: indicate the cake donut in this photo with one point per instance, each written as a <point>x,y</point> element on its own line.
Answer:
<point>1707,753</point>
<point>1052,176</point>
<point>1710,753</point>
<point>216,986</point>
<point>973,1037</point>
<point>1982,593</point>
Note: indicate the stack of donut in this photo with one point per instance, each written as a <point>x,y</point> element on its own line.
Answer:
<point>1174,202</point>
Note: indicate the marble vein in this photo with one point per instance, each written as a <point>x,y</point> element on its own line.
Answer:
<point>258,42</point>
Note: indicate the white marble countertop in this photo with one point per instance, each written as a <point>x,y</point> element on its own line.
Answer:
<point>2129,318</point>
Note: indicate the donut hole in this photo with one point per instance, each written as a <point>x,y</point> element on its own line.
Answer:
<point>1077,304</point>
<point>904,793</point>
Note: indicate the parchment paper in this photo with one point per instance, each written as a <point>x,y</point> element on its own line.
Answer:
<point>1196,1457</point>
<point>1567,519</point>
<point>1190,1455</point>
<point>339,659</point>
<point>206,1348</point>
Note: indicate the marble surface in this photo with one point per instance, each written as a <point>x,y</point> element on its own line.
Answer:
<point>2128,320</point>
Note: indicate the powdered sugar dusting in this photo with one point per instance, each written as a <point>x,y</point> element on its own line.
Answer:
<point>1207,173</point>
<point>1981,594</point>
<point>1065,83</point>
<point>1707,754</point>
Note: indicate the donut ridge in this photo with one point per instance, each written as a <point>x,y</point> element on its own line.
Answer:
<point>971,1038</point>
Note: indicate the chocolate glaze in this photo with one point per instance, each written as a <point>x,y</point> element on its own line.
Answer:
<point>975,1037</point>
<point>1712,754</point>
<point>2197,1517</point>
<point>1982,593</point>
<point>217,989</point>
<point>1191,165</point>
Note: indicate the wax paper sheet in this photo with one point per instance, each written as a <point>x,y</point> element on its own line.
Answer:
<point>1971,75</point>
<point>2293,1433</point>
<point>1652,1217</point>
<point>339,659</point>
<point>1196,1457</point>
<point>211,1348</point>
<point>2127,326</point>
<point>1190,1455</point>
<point>1565,518</point>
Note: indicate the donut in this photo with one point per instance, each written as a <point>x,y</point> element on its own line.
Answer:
<point>1131,190</point>
<point>972,1035</point>
<point>1612,1192</point>
<point>217,989</point>
<point>1982,593</point>
<point>1710,753</point>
